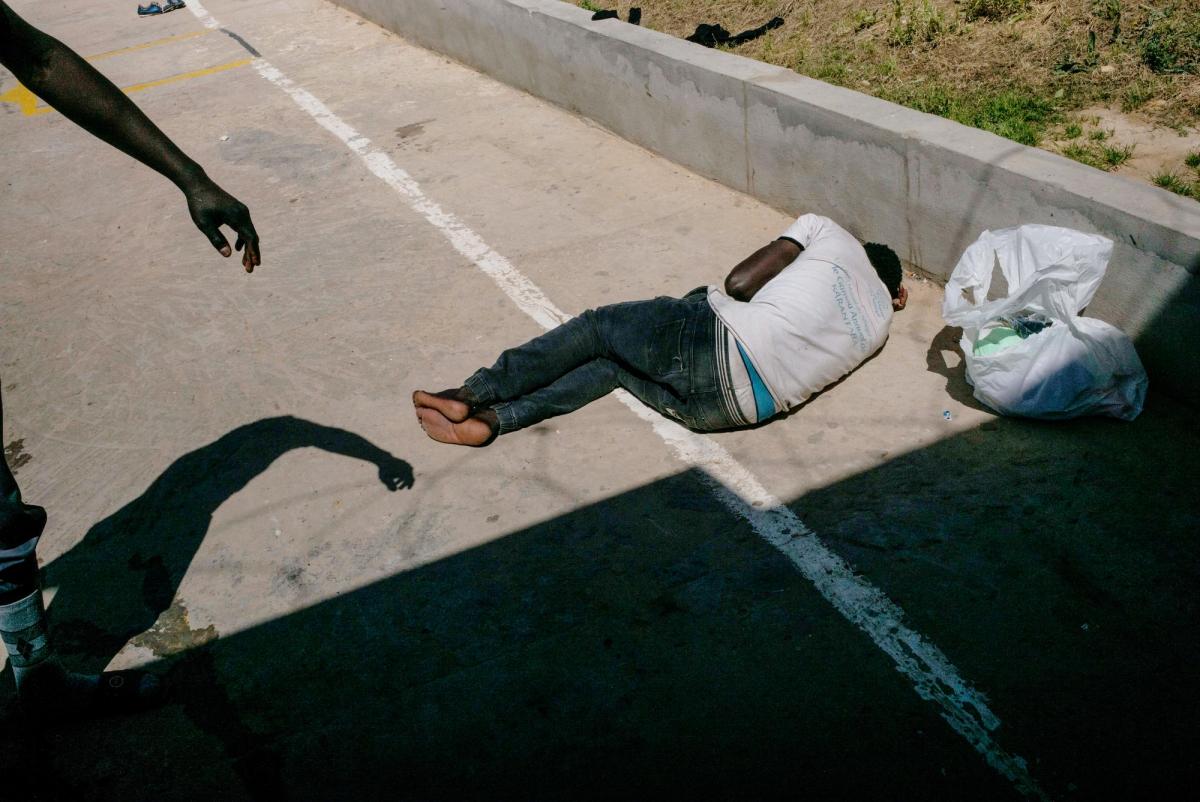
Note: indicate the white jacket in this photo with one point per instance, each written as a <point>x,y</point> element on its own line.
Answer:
<point>817,320</point>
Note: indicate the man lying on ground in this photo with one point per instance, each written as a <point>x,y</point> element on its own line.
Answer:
<point>795,316</point>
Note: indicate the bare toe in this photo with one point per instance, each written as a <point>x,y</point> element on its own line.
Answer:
<point>444,402</point>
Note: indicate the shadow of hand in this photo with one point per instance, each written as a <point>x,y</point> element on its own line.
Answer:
<point>395,473</point>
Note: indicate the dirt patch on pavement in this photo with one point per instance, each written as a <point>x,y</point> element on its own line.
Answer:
<point>14,454</point>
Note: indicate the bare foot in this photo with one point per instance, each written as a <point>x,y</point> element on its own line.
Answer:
<point>447,402</point>
<point>474,431</point>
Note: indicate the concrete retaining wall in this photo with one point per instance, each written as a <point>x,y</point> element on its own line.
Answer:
<point>922,184</point>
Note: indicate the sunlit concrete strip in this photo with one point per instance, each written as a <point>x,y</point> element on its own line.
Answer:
<point>27,101</point>
<point>933,676</point>
<point>232,65</point>
<point>166,40</point>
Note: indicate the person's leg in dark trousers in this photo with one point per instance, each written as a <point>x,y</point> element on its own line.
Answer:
<point>647,347</point>
<point>579,387</point>
<point>45,688</point>
<point>643,337</point>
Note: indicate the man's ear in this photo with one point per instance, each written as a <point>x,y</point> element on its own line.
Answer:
<point>898,303</point>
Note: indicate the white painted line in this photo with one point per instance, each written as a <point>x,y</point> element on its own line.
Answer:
<point>933,677</point>
<point>201,13</point>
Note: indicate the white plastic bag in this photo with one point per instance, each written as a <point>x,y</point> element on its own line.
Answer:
<point>1074,366</point>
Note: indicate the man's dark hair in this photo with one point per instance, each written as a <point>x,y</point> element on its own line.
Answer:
<point>887,265</point>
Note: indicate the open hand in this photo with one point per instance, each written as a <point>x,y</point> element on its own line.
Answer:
<point>212,207</point>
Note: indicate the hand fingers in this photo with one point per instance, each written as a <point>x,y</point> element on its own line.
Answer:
<point>251,257</point>
<point>247,257</point>
<point>248,238</point>
<point>217,239</point>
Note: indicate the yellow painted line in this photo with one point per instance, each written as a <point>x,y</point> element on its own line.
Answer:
<point>27,102</point>
<point>233,65</point>
<point>146,45</point>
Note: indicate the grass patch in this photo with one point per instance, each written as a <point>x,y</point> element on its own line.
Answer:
<point>1102,157</point>
<point>862,19</point>
<point>1107,10</point>
<point>589,6</point>
<point>1099,135</point>
<point>1137,94</point>
<point>1182,184</point>
<point>833,67</point>
<point>1073,131</point>
<point>993,9</point>
<point>1079,57</point>
<point>1083,154</point>
<point>1114,156</point>
<point>1020,116</point>
<point>915,23</point>
<point>1169,40</point>
<point>1174,183</point>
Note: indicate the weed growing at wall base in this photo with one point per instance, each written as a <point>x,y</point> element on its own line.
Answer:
<point>1020,116</point>
<point>1174,183</point>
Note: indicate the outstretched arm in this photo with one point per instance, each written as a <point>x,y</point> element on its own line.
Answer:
<point>760,267</point>
<point>55,73</point>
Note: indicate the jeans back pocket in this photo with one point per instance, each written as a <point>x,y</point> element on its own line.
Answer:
<point>664,349</point>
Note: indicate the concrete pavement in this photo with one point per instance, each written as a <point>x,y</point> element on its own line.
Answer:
<point>570,612</point>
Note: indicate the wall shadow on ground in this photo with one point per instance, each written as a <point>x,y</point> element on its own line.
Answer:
<point>651,646</point>
<point>647,646</point>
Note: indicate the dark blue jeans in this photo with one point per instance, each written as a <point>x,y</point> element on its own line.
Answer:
<point>21,526</point>
<point>662,351</point>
